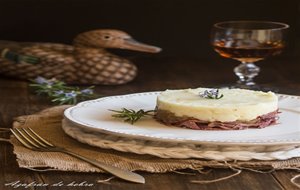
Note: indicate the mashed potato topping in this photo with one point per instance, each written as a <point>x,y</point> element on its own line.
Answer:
<point>235,105</point>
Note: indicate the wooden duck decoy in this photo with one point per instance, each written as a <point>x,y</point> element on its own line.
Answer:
<point>86,62</point>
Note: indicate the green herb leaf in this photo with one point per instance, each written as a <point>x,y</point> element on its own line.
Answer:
<point>59,92</point>
<point>130,115</point>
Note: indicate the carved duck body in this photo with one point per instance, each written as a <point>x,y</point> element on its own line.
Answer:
<point>86,62</point>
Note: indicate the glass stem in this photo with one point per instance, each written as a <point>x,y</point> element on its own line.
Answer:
<point>246,71</point>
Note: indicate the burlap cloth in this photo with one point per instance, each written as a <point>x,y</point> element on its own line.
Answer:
<point>48,124</point>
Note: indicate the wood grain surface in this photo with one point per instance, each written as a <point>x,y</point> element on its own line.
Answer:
<point>155,73</point>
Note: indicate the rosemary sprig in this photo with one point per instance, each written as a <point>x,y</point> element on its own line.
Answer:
<point>130,115</point>
<point>211,94</point>
<point>59,92</point>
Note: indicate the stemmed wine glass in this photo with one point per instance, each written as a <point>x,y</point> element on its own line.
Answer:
<point>248,42</point>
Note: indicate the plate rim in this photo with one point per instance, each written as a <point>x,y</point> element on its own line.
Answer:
<point>67,115</point>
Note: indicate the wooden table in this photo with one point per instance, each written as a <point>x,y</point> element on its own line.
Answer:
<point>156,73</point>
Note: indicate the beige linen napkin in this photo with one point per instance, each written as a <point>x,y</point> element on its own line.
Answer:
<point>48,124</point>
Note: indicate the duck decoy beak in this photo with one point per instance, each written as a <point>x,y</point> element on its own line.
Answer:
<point>132,44</point>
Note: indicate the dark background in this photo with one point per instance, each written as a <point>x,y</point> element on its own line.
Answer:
<point>180,27</point>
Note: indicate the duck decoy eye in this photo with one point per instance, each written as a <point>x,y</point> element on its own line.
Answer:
<point>106,37</point>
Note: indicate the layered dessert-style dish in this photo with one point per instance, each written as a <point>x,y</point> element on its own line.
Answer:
<point>212,109</point>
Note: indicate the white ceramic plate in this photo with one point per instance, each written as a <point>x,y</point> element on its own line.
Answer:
<point>94,115</point>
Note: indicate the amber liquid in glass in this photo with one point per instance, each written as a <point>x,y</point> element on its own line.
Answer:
<point>247,51</point>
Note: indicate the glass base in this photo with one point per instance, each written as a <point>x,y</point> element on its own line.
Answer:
<point>246,73</point>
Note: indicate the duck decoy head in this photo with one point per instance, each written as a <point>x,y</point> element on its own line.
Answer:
<point>108,38</point>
